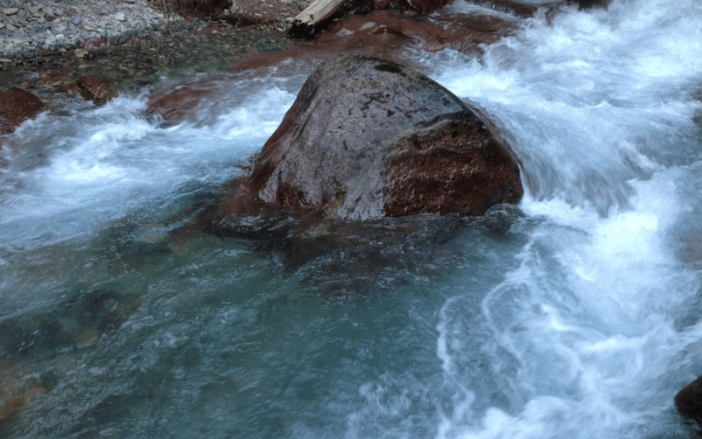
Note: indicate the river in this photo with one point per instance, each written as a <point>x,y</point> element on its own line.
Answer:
<point>572,315</point>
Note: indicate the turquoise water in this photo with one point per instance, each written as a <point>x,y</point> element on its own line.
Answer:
<point>571,315</point>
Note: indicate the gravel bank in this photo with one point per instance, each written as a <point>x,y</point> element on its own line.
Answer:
<point>29,27</point>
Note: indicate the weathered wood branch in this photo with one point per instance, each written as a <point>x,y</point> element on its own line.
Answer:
<point>318,11</point>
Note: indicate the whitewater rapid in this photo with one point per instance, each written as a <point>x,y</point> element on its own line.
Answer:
<point>599,319</point>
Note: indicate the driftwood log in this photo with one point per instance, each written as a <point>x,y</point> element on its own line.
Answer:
<point>317,12</point>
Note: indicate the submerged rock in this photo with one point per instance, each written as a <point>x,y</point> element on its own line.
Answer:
<point>90,87</point>
<point>97,88</point>
<point>16,106</point>
<point>181,102</point>
<point>383,33</point>
<point>367,139</point>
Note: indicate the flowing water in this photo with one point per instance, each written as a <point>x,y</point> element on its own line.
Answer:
<point>573,315</point>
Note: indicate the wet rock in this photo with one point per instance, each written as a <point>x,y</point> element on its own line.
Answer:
<point>97,88</point>
<point>383,32</point>
<point>367,139</point>
<point>689,401</point>
<point>427,6</point>
<point>381,5</point>
<point>16,106</point>
<point>588,4</point>
<point>57,77</point>
<point>73,89</point>
<point>181,102</point>
<point>87,87</point>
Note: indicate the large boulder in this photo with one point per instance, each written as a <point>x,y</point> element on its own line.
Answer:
<point>368,138</point>
<point>16,106</point>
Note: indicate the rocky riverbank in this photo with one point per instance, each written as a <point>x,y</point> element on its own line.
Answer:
<point>31,27</point>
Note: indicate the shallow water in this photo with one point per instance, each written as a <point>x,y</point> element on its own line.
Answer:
<point>572,315</point>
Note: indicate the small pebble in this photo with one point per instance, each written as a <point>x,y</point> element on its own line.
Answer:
<point>120,16</point>
<point>9,11</point>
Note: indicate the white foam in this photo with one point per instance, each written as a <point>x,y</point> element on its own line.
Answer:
<point>595,104</point>
<point>105,162</point>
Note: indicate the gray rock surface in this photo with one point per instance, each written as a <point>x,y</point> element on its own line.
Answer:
<point>55,24</point>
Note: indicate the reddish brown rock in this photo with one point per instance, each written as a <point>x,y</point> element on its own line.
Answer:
<point>57,77</point>
<point>427,6</point>
<point>16,106</point>
<point>368,138</point>
<point>94,43</point>
<point>180,103</point>
<point>689,400</point>
<point>383,32</point>
<point>87,87</point>
<point>97,88</point>
<point>210,29</point>
<point>255,60</point>
<point>381,5</point>
<point>439,173</point>
<point>73,89</point>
